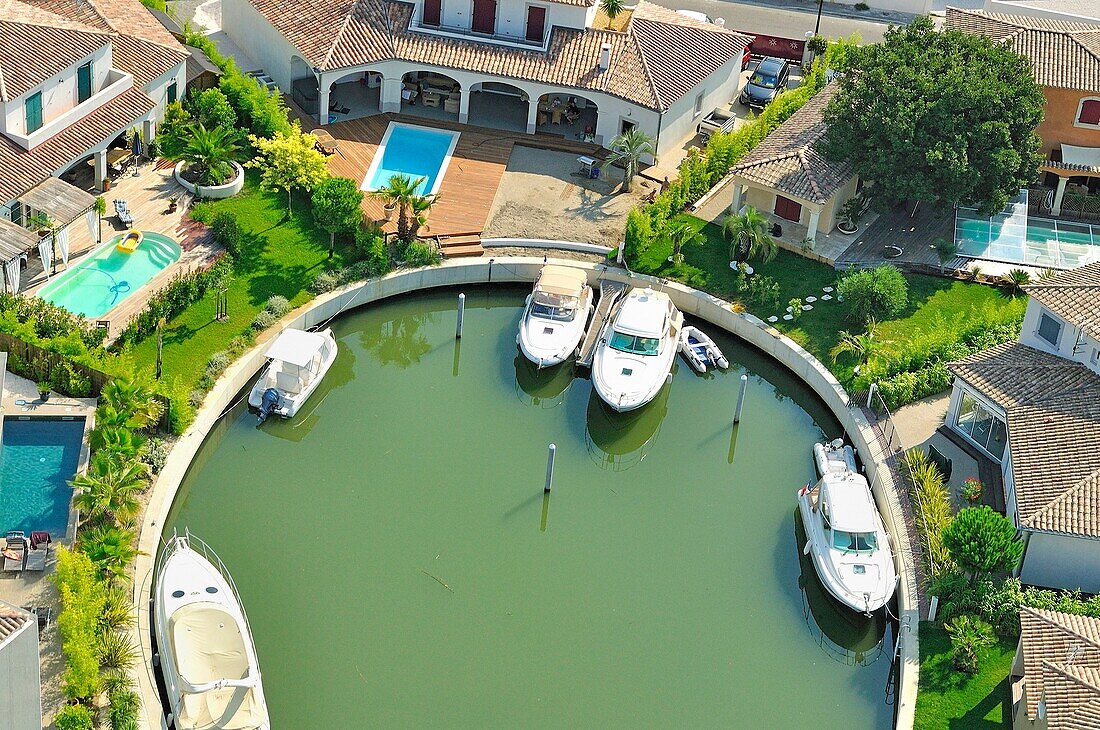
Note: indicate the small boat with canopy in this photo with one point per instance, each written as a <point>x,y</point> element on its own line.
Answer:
<point>297,362</point>
<point>555,316</point>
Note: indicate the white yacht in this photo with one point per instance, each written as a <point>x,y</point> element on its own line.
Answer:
<point>206,651</point>
<point>847,540</point>
<point>555,317</point>
<point>298,360</point>
<point>634,356</point>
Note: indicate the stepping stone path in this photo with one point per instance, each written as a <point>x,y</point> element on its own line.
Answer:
<point>827,289</point>
<point>811,300</point>
<point>826,297</point>
<point>773,318</point>
<point>807,307</point>
<point>788,317</point>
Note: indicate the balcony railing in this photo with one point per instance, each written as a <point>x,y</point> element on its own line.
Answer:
<point>117,83</point>
<point>467,34</point>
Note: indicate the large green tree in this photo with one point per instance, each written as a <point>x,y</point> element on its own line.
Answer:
<point>938,116</point>
<point>336,207</point>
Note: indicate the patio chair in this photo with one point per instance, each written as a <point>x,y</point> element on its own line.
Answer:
<point>122,210</point>
<point>15,551</point>
<point>39,552</point>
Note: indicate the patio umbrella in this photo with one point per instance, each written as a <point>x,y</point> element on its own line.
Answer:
<point>138,146</point>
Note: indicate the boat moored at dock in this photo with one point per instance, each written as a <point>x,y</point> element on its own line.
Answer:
<point>555,315</point>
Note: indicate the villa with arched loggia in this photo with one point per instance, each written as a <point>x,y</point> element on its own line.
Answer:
<point>559,67</point>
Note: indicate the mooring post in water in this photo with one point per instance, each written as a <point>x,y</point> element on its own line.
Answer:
<point>741,398</point>
<point>550,467</point>
<point>461,311</point>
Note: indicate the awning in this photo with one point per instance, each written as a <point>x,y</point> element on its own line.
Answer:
<point>296,347</point>
<point>562,280</point>
<point>62,202</point>
<point>15,240</point>
<point>199,63</point>
<point>1085,156</point>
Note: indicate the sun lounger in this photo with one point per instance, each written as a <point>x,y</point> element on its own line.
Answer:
<point>39,552</point>
<point>15,551</point>
<point>122,210</point>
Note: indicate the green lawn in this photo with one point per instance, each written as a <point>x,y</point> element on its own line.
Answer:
<point>949,699</point>
<point>281,254</point>
<point>707,267</point>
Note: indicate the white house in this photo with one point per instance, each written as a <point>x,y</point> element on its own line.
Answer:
<point>1034,407</point>
<point>511,64</point>
<point>74,76</point>
<point>20,683</point>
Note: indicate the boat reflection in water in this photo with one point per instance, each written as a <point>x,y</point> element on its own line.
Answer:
<point>847,636</point>
<point>618,441</point>
<point>542,387</point>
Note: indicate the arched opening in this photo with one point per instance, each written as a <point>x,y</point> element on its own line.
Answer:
<point>567,115</point>
<point>303,84</point>
<point>431,95</point>
<point>500,106</point>
<point>354,95</point>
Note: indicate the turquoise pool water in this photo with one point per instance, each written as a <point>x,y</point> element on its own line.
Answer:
<point>413,151</point>
<point>102,281</point>
<point>38,457</point>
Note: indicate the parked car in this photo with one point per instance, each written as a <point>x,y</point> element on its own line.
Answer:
<point>769,78</point>
<point>719,120</point>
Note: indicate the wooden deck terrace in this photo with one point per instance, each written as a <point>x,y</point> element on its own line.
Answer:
<point>465,197</point>
<point>913,234</point>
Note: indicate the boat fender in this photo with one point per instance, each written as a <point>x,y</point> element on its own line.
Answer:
<point>806,550</point>
<point>668,378</point>
<point>267,404</point>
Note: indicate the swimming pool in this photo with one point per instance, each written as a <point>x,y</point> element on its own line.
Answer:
<point>415,151</point>
<point>38,457</point>
<point>102,281</point>
<point>1014,237</point>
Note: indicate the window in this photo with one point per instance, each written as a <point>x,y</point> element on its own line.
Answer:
<point>34,112</point>
<point>634,344</point>
<point>855,542</point>
<point>982,426</point>
<point>172,92</point>
<point>625,126</point>
<point>536,23</point>
<point>433,10</point>
<point>84,83</point>
<point>1088,113</point>
<point>699,104</point>
<point>1050,328</point>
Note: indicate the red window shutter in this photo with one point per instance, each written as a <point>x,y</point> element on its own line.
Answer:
<point>1090,112</point>
<point>787,208</point>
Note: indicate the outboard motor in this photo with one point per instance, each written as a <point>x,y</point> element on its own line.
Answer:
<point>267,404</point>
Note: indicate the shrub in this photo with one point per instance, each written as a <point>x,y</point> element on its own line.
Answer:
<point>156,453</point>
<point>969,635</point>
<point>877,293</point>
<point>933,506</point>
<point>370,249</point>
<point>982,541</point>
<point>196,398</point>
<point>326,281</point>
<point>217,363</point>
<point>123,712</point>
<point>82,600</point>
<point>418,253</point>
<point>277,305</point>
<point>211,108</point>
<point>227,230</point>
<point>262,320</point>
<point>73,717</point>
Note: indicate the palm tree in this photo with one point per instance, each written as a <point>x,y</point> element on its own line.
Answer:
<point>111,549</point>
<point>864,346</point>
<point>116,653</point>
<point>401,190</point>
<point>117,440</point>
<point>100,208</point>
<point>945,251</point>
<point>118,610</point>
<point>748,236</point>
<point>110,488</point>
<point>208,153</point>
<point>418,212</point>
<point>135,398</point>
<point>1015,281</point>
<point>611,9</point>
<point>629,148</point>
<point>683,234</point>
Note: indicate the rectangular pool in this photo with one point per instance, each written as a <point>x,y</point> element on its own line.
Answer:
<point>418,152</point>
<point>38,457</point>
<point>98,284</point>
<point>1012,236</point>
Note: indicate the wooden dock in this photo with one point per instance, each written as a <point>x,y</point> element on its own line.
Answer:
<point>611,292</point>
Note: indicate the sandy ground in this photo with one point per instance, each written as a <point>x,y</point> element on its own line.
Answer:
<point>542,195</point>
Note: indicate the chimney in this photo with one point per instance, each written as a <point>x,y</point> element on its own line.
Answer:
<point>605,56</point>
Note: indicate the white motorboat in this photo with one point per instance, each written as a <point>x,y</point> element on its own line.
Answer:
<point>700,351</point>
<point>297,361</point>
<point>556,315</point>
<point>634,355</point>
<point>834,457</point>
<point>847,541</point>
<point>207,656</point>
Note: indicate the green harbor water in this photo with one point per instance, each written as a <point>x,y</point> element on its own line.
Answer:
<point>401,566</point>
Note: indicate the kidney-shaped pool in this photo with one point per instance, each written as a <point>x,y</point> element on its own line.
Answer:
<point>401,566</point>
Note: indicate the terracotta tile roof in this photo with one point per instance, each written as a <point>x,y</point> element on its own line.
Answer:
<point>1062,54</point>
<point>655,62</point>
<point>788,160</point>
<point>36,45</point>
<point>11,620</point>
<point>1072,295</point>
<point>23,169</point>
<point>1070,646</point>
<point>1072,697</point>
<point>1052,406</point>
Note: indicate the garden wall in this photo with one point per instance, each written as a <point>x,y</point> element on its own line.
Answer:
<point>516,269</point>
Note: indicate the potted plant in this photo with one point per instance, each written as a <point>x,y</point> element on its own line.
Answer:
<point>388,208</point>
<point>850,213</point>
<point>44,391</point>
<point>971,490</point>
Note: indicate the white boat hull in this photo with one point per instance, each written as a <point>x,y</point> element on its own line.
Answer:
<point>207,656</point>
<point>290,403</point>
<point>699,350</point>
<point>626,381</point>
<point>547,342</point>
